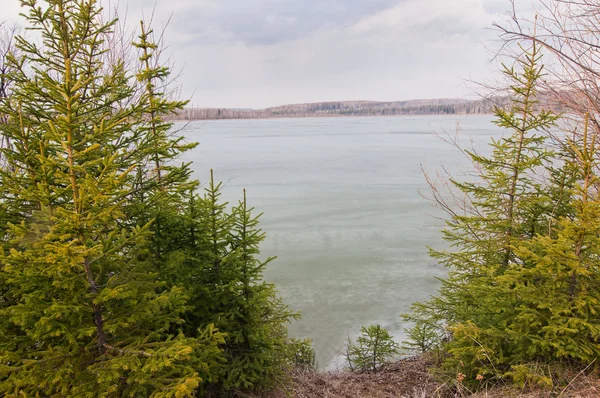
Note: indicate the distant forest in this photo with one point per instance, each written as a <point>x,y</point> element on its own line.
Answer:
<point>349,108</point>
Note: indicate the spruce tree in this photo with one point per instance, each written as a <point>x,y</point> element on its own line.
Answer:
<point>163,185</point>
<point>228,291</point>
<point>508,203</point>
<point>559,313</point>
<point>373,349</point>
<point>257,343</point>
<point>84,310</point>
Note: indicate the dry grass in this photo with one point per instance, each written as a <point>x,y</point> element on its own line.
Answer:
<point>579,387</point>
<point>412,379</point>
<point>409,379</point>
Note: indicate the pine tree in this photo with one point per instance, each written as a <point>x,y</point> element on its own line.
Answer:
<point>87,312</point>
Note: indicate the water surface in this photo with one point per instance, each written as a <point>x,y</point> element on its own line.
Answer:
<point>343,210</point>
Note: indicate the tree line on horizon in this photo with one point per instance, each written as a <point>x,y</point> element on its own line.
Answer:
<point>483,106</point>
<point>343,108</point>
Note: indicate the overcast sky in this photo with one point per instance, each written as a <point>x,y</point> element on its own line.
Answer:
<point>258,53</point>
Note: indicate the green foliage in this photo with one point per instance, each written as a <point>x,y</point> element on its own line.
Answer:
<point>523,281</point>
<point>559,296</point>
<point>373,348</point>
<point>303,353</point>
<point>235,298</point>
<point>530,376</point>
<point>116,277</point>
<point>422,337</point>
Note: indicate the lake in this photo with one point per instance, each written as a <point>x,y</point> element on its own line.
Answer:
<point>343,210</point>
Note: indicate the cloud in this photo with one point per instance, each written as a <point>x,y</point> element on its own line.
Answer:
<point>267,22</point>
<point>415,49</point>
<point>257,53</point>
<point>504,6</point>
<point>10,10</point>
<point>427,20</point>
<point>496,6</point>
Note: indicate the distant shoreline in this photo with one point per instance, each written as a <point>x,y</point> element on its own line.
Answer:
<point>442,107</point>
<point>333,117</point>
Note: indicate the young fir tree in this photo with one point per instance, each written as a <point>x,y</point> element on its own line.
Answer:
<point>84,311</point>
<point>508,204</point>
<point>555,289</point>
<point>163,185</point>
<point>229,292</point>
<point>257,344</point>
<point>373,349</point>
<point>210,260</point>
<point>559,293</point>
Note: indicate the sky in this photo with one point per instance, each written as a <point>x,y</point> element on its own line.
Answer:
<point>260,53</point>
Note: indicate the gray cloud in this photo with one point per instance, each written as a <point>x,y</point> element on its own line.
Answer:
<point>504,6</point>
<point>496,6</point>
<point>266,22</point>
